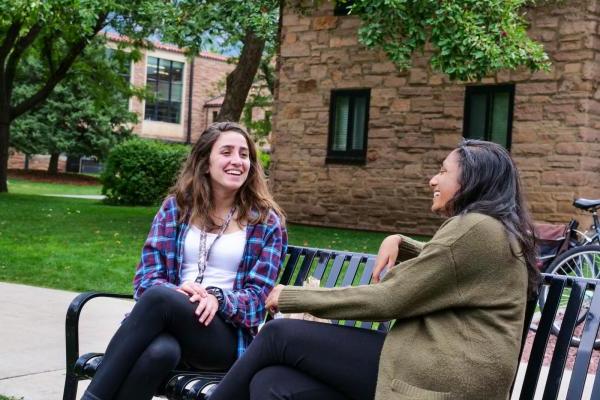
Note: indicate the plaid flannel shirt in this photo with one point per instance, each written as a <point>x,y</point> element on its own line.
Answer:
<point>244,305</point>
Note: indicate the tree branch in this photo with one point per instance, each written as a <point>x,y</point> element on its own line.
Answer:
<point>240,80</point>
<point>8,43</point>
<point>56,76</point>
<point>13,60</point>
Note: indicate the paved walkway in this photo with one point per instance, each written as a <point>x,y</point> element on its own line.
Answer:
<point>32,336</point>
<point>79,196</point>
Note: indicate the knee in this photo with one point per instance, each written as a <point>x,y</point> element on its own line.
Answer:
<point>157,296</point>
<point>278,329</point>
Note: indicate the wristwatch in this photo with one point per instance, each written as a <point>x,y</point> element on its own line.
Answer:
<point>218,293</point>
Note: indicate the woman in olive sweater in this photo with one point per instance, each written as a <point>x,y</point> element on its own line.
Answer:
<point>459,305</point>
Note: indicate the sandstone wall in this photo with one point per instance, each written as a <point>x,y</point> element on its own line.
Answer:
<point>416,118</point>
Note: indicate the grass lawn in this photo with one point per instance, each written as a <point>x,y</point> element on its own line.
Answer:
<point>22,186</point>
<point>78,244</point>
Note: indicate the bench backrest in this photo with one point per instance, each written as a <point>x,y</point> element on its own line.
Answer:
<point>333,268</point>
<point>576,303</point>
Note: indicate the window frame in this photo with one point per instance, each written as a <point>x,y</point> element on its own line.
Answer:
<point>489,91</point>
<point>348,156</point>
<point>155,89</point>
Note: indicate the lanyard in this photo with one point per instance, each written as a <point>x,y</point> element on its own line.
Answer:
<point>203,252</point>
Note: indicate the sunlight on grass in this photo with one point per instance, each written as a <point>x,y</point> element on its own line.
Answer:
<point>22,186</point>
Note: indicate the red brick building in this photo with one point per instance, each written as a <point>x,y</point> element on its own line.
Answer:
<point>355,141</point>
<point>185,90</point>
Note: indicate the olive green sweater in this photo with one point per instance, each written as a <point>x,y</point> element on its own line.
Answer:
<point>459,308</point>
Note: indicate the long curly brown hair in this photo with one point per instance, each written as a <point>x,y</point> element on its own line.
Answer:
<point>193,192</point>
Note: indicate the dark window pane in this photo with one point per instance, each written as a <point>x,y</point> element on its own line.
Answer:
<point>478,104</point>
<point>175,112</point>
<point>149,112</point>
<point>176,92</point>
<point>488,113</point>
<point>360,115</point>
<point>342,112</point>
<point>177,72</point>
<point>500,117</point>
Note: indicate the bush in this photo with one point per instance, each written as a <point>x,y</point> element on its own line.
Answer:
<point>265,160</point>
<point>140,172</point>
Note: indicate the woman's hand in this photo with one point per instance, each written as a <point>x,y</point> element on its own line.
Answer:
<point>386,256</point>
<point>207,308</point>
<point>272,302</point>
<point>191,289</point>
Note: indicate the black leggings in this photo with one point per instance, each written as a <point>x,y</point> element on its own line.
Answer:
<point>161,332</point>
<point>302,360</point>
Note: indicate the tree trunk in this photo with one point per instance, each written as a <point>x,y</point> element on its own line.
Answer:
<point>53,165</point>
<point>239,81</point>
<point>4,135</point>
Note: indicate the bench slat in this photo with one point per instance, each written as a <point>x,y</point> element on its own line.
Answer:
<point>290,265</point>
<point>309,256</point>
<point>561,350</point>
<point>324,257</point>
<point>334,274</point>
<point>538,349</point>
<point>586,347</point>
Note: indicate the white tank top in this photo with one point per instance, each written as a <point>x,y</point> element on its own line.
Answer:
<point>223,262</point>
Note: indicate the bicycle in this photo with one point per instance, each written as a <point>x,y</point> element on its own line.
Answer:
<point>580,258</point>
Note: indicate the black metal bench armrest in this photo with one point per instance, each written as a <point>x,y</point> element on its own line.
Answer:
<point>72,323</point>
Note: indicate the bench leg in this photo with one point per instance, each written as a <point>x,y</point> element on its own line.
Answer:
<point>70,391</point>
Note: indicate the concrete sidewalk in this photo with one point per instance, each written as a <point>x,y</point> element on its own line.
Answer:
<point>32,338</point>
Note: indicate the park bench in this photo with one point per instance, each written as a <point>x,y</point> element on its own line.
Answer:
<point>339,268</point>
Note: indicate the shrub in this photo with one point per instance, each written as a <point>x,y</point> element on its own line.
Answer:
<point>265,160</point>
<point>140,172</point>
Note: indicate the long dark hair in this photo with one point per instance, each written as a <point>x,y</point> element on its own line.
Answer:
<point>193,192</point>
<point>490,185</point>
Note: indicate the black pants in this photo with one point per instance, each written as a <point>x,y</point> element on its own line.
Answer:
<point>302,360</point>
<point>161,331</point>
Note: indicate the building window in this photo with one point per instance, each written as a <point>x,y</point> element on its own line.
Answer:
<point>348,122</point>
<point>342,8</point>
<point>165,79</point>
<point>489,113</point>
<point>215,114</point>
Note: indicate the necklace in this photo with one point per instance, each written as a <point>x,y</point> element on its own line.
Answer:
<point>203,252</point>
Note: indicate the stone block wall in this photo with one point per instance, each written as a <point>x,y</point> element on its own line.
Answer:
<point>416,118</point>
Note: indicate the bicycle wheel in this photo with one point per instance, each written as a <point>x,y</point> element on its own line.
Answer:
<point>584,262</point>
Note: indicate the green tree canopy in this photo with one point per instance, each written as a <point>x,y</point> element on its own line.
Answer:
<point>57,32</point>
<point>469,38</point>
<point>80,117</point>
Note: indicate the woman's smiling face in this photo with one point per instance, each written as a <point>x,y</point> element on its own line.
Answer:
<point>445,184</point>
<point>229,161</point>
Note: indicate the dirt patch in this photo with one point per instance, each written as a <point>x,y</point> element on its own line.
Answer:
<point>61,177</point>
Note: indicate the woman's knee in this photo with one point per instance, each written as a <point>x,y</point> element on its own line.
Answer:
<point>283,329</point>
<point>157,296</point>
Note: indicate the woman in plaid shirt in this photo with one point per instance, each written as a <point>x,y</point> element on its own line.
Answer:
<point>212,257</point>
